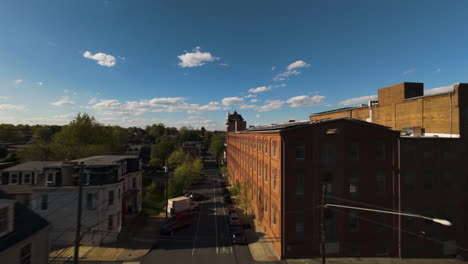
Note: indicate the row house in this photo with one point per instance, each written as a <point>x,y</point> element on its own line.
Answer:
<point>111,194</point>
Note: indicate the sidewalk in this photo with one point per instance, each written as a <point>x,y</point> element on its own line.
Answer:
<point>262,251</point>
<point>131,245</point>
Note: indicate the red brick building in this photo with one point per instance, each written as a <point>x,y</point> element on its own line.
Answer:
<point>285,166</point>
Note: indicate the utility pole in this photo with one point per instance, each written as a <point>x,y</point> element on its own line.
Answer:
<point>324,189</point>
<point>78,220</point>
<point>167,183</point>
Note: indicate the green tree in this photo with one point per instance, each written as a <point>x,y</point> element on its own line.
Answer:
<point>162,149</point>
<point>8,133</point>
<point>177,158</point>
<point>217,146</point>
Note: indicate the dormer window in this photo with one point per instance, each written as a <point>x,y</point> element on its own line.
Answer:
<point>14,178</point>
<point>27,178</point>
<point>50,177</point>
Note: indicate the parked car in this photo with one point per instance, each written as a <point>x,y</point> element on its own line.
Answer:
<point>237,235</point>
<point>173,226</point>
<point>227,199</point>
<point>187,194</point>
<point>181,216</point>
<point>226,191</point>
<point>197,197</point>
<point>233,219</point>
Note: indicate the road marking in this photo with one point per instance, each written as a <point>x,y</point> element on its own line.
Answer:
<point>196,231</point>
<point>227,226</point>
<point>216,222</point>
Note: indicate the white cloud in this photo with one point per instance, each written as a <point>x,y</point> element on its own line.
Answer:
<point>39,83</point>
<point>439,90</point>
<point>253,100</point>
<point>229,101</point>
<point>297,64</point>
<point>92,100</point>
<point>285,75</point>
<point>3,98</point>
<point>18,81</point>
<point>165,104</point>
<point>63,102</point>
<point>409,71</point>
<point>271,105</point>
<point>248,107</point>
<point>273,68</point>
<point>224,64</point>
<point>358,100</point>
<point>260,89</point>
<point>305,100</point>
<point>291,70</point>
<point>250,96</point>
<point>195,58</point>
<point>257,116</point>
<point>101,58</point>
<point>11,107</point>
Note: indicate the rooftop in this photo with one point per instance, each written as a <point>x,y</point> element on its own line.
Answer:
<point>26,223</point>
<point>290,125</point>
<point>33,165</point>
<point>105,159</point>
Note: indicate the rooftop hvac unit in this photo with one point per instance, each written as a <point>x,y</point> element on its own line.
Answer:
<point>412,131</point>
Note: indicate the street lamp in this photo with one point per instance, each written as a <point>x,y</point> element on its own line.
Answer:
<point>437,220</point>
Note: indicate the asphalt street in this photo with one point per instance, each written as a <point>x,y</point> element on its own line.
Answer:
<point>207,239</point>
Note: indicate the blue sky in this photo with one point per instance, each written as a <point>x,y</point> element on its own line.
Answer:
<point>185,63</point>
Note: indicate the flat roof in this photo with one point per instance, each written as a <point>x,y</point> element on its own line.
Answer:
<point>285,126</point>
<point>33,165</point>
<point>336,110</point>
<point>105,159</point>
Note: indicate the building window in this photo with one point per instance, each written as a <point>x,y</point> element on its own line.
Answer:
<point>266,173</point>
<point>91,199</point>
<point>3,220</point>
<point>266,204</point>
<point>353,222</point>
<point>380,150</point>
<point>380,178</point>
<point>382,250</point>
<point>300,184</point>
<point>428,151</point>
<point>13,178</point>
<point>300,223</point>
<point>300,151</point>
<point>27,178</point>
<point>273,146</point>
<point>381,222</point>
<point>44,201</point>
<point>119,194</point>
<point>134,183</point>
<point>25,254</point>
<point>274,212</point>
<point>50,177</point>
<point>428,180</point>
<point>111,198</point>
<point>275,176</point>
<point>110,222</point>
<point>447,180</point>
<point>118,218</point>
<point>330,226</point>
<point>353,182</point>
<point>353,151</point>
<point>327,153</point>
<point>266,146</point>
<point>259,144</point>
<point>408,181</point>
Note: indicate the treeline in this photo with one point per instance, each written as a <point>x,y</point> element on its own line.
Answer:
<point>85,136</point>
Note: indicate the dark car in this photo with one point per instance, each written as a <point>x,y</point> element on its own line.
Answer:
<point>226,191</point>
<point>187,194</point>
<point>173,226</point>
<point>233,219</point>
<point>197,197</point>
<point>227,199</point>
<point>237,235</point>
